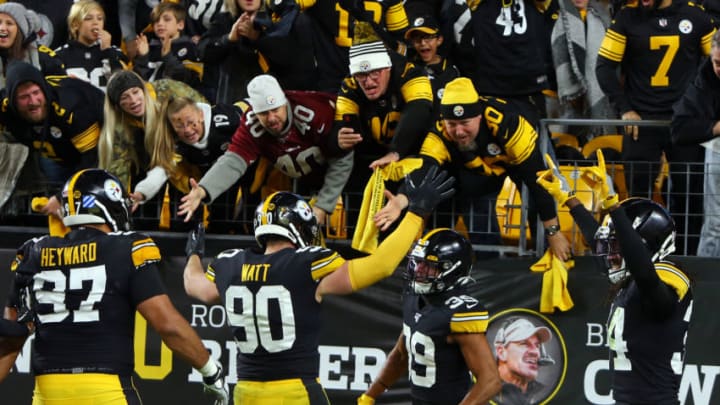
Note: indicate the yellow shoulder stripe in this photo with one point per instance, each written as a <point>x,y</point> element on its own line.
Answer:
<point>417,88</point>
<point>469,322</point>
<point>521,143</point>
<point>210,273</point>
<point>326,265</point>
<point>343,106</point>
<point>396,17</point>
<point>145,251</point>
<point>87,139</point>
<point>706,42</point>
<point>673,277</point>
<point>613,46</point>
<point>435,148</point>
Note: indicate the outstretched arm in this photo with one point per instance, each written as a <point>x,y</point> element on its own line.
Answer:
<point>479,359</point>
<point>394,368</point>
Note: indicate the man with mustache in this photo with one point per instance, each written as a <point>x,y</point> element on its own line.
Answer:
<point>290,130</point>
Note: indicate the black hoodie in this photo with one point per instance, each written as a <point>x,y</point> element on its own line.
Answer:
<point>697,111</point>
<point>70,132</point>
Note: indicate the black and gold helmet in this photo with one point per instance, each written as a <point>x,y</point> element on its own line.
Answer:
<point>94,196</point>
<point>439,261</point>
<point>286,215</point>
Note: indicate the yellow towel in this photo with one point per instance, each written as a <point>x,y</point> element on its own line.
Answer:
<point>554,292</point>
<point>165,214</point>
<point>55,224</point>
<point>365,237</point>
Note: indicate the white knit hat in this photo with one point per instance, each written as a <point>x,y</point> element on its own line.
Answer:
<point>27,20</point>
<point>265,93</point>
<point>368,56</point>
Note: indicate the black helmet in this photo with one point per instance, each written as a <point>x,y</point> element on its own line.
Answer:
<point>289,216</point>
<point>446,251</point>
<point>650,220</point>
<point>94,196</point>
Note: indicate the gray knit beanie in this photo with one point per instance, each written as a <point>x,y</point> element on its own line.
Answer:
<point>27,20</point>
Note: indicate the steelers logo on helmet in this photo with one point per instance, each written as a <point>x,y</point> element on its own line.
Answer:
<point>113,190</point>
<point>288,216</point>
<point>494,149</point>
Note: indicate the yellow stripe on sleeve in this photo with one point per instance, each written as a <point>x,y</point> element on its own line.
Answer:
<point>210,273</point>
<point>469,322</point>
<point>613,46</point>
<point>417,88</point>
<point>522,143</point>
<point>87,139</point>
<point>673,277</point>
<point>706,42</point>
<point>343,106</point>
<point>435,148</point>
<point>145,251</point>
<point>396,18</point>
<point>326,265</point>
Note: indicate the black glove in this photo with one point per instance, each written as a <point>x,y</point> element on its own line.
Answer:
<point>216,386</point>
<point>434,188</point>
<point>196,242</point>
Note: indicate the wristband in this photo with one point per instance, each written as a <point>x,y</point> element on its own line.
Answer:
<point>552,230</point>
<point>209,369</point>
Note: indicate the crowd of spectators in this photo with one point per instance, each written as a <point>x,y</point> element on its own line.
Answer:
<point>244,95</point>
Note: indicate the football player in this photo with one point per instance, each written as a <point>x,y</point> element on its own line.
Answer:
<point>82,291</point>
<point>652,305</point>
<point>443,334</point>
<point>273,297</point>
<point>485,136</point>
<point>290,129</point>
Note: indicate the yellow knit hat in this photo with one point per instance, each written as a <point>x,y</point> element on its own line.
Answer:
<point>460,100</point>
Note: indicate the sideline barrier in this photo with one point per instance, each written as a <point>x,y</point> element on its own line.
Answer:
<point>361,329</point>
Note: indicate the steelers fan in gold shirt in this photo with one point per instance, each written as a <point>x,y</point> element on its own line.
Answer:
<point>484,136</point>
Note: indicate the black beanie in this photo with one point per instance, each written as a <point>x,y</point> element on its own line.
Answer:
<point>121,81</point>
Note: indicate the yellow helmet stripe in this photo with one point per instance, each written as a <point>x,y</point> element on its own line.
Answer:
<point>433,232</point>
<point>266,203</point>
<point>71,191</point>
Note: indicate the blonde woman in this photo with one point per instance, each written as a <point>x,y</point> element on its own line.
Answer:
<point>130,146</point>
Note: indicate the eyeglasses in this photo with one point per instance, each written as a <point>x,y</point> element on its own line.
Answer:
<point>418,39</point>
<point>179,126</point>
<point>373,74</point>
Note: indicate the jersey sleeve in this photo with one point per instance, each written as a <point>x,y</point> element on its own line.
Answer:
<point>323,261</point>
<point>469,316</point>
<point>144,251</point>
<point>673,277</point>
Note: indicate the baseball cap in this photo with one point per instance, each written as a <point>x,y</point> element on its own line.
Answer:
<point>265,93</point>
<point>426,24</point>
<point>520,329</point>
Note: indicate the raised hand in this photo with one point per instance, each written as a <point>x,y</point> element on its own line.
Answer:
<point>554,182</point>
<point>434,188</point>
<point>597,178</point>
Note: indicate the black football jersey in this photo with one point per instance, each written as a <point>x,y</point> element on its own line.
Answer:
<point>220,124</point>
<point>84,289</point>
<point>271,308</point>
<point>380,118</point>
<point>335,22</point>
<point>437,369</point>
<point>90,63</point>
<point>647,355</point>
<point>659,53</point>
<point>510,41</point>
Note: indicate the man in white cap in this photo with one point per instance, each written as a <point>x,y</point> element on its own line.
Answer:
<point>518,348</point>
<point>290,130</point>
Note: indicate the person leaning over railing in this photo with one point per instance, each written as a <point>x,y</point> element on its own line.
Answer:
<point>484,136</point>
